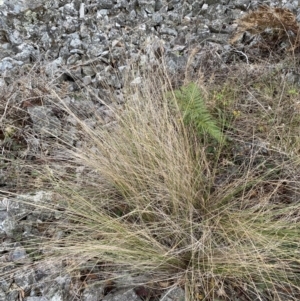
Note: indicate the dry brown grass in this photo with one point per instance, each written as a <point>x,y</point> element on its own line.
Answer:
<point>158,200</point>
<point>152,197</point>
<point>280,23</point>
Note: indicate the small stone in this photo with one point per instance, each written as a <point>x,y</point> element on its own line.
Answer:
<point>157,18</point>
<point>19,255</point>
<point>88,70</point>
<point>176,294</point>
<point>87,80</point>
<point>136,81</point>
<point>44,122</point>
<point>204,7</point>
<point>93,292</point>
<point>123,295</point>
<point>105,4</point>
<point>168,31</point>
<point>132,15</point>
<point>76,43</point>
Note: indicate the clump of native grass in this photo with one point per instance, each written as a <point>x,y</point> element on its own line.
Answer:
<point>155,198</point>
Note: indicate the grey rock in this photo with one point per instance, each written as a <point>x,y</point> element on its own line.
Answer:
<point>64,52</point>
<point>9,63</point>
<point>242,4</point>
<point>25,279</point>
<point>75,43</point>
<point>174,18</point>
<point>27,53</point>
<point>197,7</point>
<point>73,59</point>
<point>95,51</point>
<point>58,290</point>
<point>105,79</point>
<point>174,294</point>
<point>211,2</point>
<point>15,37</point>
<point>19,255</point>
<point>17,6</point>
<point>168,31</point>
<point>204,8</point>
<point>70,25</point>
<point>159,4</point>
<point>3,85</point>
<point>86,108</point>
<point>2,293</point>
<point>173,4</point>
<point>176,63</point>
<point>87,80</point>
<point>105,4</point>
<point>103,12</point>
<point>292,5</point>
<point>55,295</point>
<point>157,18</point>
<point>54,67</point>
<point>46,41</point>
<point>44,122</point>
<point>77,50</point>
<point>123,295</point>
<point>7,223</point>
<point>132,15</point>
<point>39,197</point>
<point>69,9</point>
<point>75,73</point>
<point>12,296</point>
<point>147,5</point>
<point>292,78</point>
<point>93,292</point>
<point>5,284</point>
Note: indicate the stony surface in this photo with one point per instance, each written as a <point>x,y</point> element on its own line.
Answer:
<point>90,44</point>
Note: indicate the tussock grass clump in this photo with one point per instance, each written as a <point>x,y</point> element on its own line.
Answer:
<point>154,201</point>
<point>183,188</point>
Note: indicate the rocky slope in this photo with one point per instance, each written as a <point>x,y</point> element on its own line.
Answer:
<point>74,45</point>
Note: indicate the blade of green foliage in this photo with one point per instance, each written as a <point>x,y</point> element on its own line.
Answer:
<point>195,112</point>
